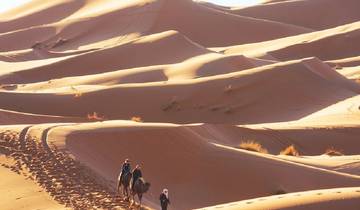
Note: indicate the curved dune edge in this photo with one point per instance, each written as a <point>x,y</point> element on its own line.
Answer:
<point>337,198</point>
<point>123,137</point>
<point>12,118</point>
<point>329,44</point>
<point>135,17</point>
<point>293,12</point>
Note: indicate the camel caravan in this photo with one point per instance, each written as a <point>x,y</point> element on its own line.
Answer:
<point>132,183</point>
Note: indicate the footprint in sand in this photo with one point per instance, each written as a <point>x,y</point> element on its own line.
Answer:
<point>48,168</point>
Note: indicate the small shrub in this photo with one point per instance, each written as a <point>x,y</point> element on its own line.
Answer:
<point>252,146</point>
<point>136,119</point>
<point>228,110</point>
<point>338,66</point>
<point>290,150</point>
<point>170,105</point>
<point>38,45</point>
<point>279,191</point>
<point>9,86</point>
<point>333,152</point>
<point>95,116</point>
<point>215,108</point>
<point>59,42</point>
<point>228,89</point>
<point>78,93</point>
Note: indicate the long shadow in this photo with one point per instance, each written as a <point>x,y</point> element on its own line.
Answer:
<point>65,179</point>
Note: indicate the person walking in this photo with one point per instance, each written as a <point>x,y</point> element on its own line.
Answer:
<point>164,199</point>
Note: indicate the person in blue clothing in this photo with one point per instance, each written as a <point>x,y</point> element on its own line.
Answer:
<point>126,168</point>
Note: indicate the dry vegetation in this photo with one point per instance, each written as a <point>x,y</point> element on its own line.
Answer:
<point>279,191</point>
<point>137,119</point>
<point>95,116</point>
<point>290,150</point>
<point>173,103</point>
<point>333,152</point>
<point>252,146</point>
<point>338,66</point>
<point>78,93</point>
<point>228,89</point>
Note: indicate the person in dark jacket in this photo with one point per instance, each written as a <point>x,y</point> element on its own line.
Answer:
<point>164,199</point>
<point>136,174</point>
<point>126,168</point>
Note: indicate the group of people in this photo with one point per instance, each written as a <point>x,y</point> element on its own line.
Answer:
<point>136,174</point>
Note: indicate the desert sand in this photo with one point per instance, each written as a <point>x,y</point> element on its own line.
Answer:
<point>180,86</point>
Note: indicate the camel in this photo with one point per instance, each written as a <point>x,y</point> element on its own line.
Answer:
<point>140,187</point>
<point>124,183</point>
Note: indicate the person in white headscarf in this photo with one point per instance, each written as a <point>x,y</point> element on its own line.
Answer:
<point>164,199</point>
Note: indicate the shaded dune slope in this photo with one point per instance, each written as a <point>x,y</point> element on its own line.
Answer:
<point>199,66</point>
<point>330,44</point>
<point>228,27</point>
<point>304,12</point>
<point>115,57</point>
<point>90,28</point>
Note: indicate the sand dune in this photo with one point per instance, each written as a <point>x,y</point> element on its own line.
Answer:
<point>304,12</point>
<point>346,62</point>
<point>275,137</point>
<point>114,58</point>
<point>36,13</point>
<point>187,149</point>
<point>227,26</point>
<point>178,86</point>
<point>318,199</point>
<point>199,66</point>
<point>352,73</point>
<point>330,44</point>
<point>84,26</point>
<point>11,118</point>
<point>345,164</point>
<point>222,98</point>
